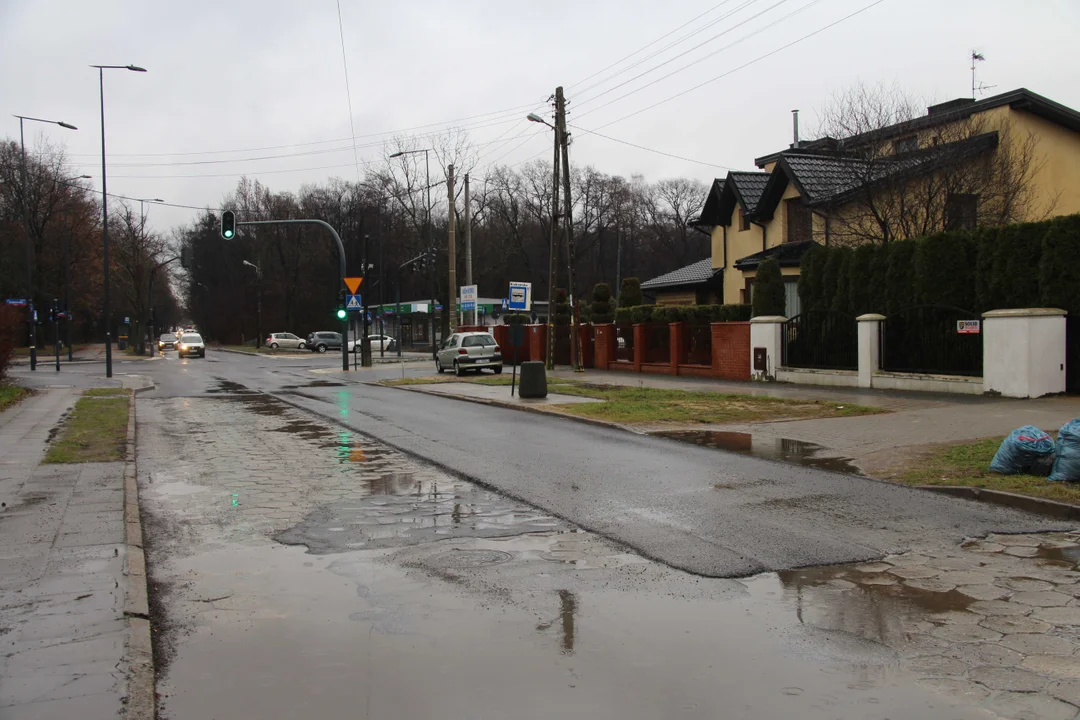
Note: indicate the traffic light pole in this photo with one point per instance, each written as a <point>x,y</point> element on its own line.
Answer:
<point>341,263</point>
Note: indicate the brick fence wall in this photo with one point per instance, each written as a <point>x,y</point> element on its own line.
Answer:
<point>731,350</point>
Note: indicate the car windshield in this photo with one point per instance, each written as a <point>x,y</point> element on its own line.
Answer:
<point>191,339</point>
<point>168,336</point>
<point>478,341</point>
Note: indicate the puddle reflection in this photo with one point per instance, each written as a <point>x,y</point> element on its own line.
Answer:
<point>567,612</point>
<point>784,449</point>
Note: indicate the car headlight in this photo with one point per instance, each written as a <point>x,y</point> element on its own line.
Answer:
<point>183,347</point>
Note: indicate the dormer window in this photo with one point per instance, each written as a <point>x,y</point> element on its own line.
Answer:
<point>906,144</point>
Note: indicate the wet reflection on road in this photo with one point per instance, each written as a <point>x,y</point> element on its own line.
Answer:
<point>783,449</point>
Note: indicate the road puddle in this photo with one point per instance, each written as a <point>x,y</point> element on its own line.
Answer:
<point>797,452</point>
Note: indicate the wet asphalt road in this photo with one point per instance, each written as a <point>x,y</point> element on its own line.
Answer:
<point>708,512</point>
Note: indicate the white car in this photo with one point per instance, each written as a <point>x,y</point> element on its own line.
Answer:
<point>191,344</point>
<point>285,340</point>
<point>378,342</point>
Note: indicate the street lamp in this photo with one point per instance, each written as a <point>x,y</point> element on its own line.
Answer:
<point>105,210</point>
<point>26,230</point>
<point>430,241</point>
<point>258,303</point>
<point>142,211</point>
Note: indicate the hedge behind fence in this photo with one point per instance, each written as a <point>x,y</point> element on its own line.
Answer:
<point>699,314</point>
<point>1025,265</point>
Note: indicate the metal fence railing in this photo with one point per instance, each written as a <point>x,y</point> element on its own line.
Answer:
<point>657,343</point>
<point>821,339</point>
<point>624,342</point>
<point>697,344</point>
<point>929,339</point>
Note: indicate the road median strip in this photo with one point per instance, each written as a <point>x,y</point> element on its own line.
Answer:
<point>629,406</point>
<point>96,430</point>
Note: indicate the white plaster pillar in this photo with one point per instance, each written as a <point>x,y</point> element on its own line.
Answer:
<point>1024,352</point>
<point>869,347</point>
<point>766,332</point>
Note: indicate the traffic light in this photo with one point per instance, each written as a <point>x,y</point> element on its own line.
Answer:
<point>228,224</point>
<point>185,257</point>
<point>342,313</point>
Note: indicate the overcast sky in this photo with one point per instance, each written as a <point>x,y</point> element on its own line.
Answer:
<point>229,78</point>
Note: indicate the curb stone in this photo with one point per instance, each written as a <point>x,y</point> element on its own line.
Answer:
<point>140,703</point>
<point>1039,506</point>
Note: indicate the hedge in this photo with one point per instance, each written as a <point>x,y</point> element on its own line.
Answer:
<point>694,314</point>
<point>602,311</point>
<point>517,319</point>
<point>769,289</point>
<point>630,293</point>
<point>1015,266</point>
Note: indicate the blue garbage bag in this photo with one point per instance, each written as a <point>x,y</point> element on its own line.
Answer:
<point>1067,462</point>
<point>1024,448</point>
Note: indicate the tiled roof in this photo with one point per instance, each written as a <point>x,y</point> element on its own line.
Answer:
<point>823,177</point>
<point>787,254</point>
<point>749,185</point>
<point>692,274</point>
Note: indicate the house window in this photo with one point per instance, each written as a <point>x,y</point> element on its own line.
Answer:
<point>800,222</point>
<point>744,221</point>
<point>792,303</point>
<point>906,144</point>
<point>961,211</point>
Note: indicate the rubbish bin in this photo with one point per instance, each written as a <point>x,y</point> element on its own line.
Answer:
<point>533,380</point>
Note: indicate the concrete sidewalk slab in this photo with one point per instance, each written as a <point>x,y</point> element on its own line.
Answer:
<point>63,574</point>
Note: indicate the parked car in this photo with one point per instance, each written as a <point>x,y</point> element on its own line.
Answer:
<point>167,341</point>
<point>322,341</point>
<point>469,351</point>
<point>191,344</point>
<point>378,342</point>
<point>285,340</point>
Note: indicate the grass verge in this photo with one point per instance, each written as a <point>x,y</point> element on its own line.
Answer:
<point>968,464</point>
<point>641,405</point>
<point>96,431</point>
<point>11,394</point>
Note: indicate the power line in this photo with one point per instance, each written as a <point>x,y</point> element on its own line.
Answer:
<point>652,150</point>
<point>348,92</point>
<point>744,65</point>
<point>696,47</point>
<point>646,47</point>
<point>506,115</point>
<point>671,45</point>
<point>324,151</point>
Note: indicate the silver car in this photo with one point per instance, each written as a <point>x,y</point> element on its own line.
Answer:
<point>285,340</point>
<point>191,344</point>
<point>469,351</point>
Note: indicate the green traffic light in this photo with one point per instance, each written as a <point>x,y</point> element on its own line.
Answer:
<point>228,234</point>
<point>340,314</point>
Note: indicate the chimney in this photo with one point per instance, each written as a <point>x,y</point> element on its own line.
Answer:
<point>795,123</point>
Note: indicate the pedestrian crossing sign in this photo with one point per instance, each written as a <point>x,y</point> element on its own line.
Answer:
<point>353,303</point>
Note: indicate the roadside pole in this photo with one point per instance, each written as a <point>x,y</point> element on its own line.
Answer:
<point>451,250</point>
<point>470,319</point>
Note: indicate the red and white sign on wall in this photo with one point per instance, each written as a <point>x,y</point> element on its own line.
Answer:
<point>967,327</point>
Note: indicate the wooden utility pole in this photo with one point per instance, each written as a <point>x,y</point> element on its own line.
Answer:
<point>468,246</point>
<point>568,229</point>
<point>451,309</point>
<point>553,252</point>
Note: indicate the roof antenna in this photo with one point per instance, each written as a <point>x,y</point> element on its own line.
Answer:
<point>977,56</point>
<point>795,122</point>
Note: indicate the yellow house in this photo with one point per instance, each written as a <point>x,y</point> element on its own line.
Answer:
<point>966,163</point>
